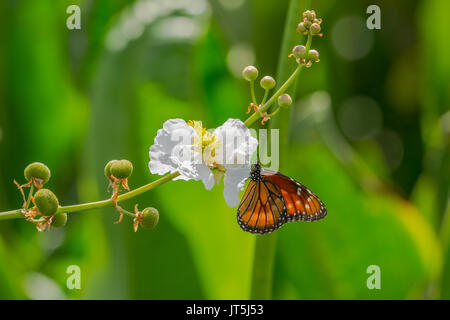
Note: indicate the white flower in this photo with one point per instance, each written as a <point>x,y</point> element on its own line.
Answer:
<point>195,153</point>
<point>174,151</point>
<point>234,155</point>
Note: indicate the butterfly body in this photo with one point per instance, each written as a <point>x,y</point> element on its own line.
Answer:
<point>272,199</point>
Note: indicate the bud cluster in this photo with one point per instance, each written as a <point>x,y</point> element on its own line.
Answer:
<point>118,172</point>
<point>310,24</point>
<point>45,211</point>
<point>250,73</point>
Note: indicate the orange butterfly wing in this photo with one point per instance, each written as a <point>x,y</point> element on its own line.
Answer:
<point>262,208</point>
<point>300,202</point>
<point>272,199</point>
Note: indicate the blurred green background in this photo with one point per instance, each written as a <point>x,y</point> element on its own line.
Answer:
<point>369,134</point>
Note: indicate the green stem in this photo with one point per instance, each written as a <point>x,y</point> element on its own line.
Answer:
<point>263,263</point>
<point>123,211</point>
<point>27,204</point>
<point>14,214</point>
<point>273,114</point>
<point>252,92</point>
<point>266,94</point>
<point>308,43</point>
<point>265,246</point>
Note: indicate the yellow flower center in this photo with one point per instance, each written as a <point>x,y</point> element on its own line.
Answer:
<point>205,142</point>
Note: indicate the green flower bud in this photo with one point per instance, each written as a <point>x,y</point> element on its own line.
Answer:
<point>108,168</point>
<point>59,220</point>
<point>150,218</point>
<point>310,15</point>
<point>315,28</point>
<point>299,52</point>
<point>301,28</point>
<point>313,55</point>
<point>121,169</point>
<point>267,82</point>
<point>46,201</point>
<point>307,23</point>
<point>250,73</point>
<point>37,170</point>
<point>285,100</point>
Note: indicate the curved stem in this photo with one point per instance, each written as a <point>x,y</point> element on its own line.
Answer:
<point>14,214</point>
<point>266,94</point>
<point>252,92</point>
<point>123,211</point>
<point>273,114</point>
<point>27,204</point>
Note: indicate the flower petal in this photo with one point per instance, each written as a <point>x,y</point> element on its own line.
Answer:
<point>236,143</point>
<point>173,150</point>
<point>234,181</point>
<point>206,175</point>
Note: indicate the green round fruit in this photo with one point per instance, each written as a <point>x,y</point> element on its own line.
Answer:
<point>121,169</point>
<point>46,201</point>
<point>108,168</point>
<point>37,170</point>
<point>150,218</point>
<point>59,220</point>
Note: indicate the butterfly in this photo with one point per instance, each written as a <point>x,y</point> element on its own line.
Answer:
<point>272,199</point>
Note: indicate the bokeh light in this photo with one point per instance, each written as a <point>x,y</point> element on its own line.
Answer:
<point>360,117</point>
<point>392,146</point>
<point>351,38</point>
<point>41,287</point>
<point>239,56</point>
<point>231,4</point>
